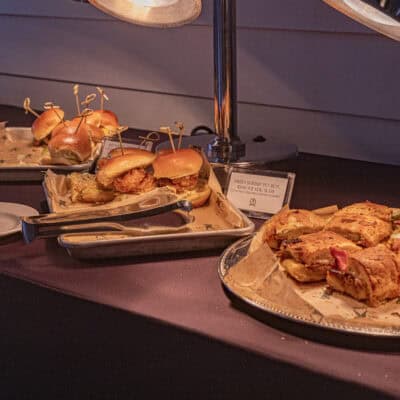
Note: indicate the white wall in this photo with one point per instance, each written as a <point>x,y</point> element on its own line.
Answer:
<point>305,73</point>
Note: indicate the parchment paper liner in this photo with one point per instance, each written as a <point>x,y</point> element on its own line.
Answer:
<point>260,278</point>
<point>217,215</point>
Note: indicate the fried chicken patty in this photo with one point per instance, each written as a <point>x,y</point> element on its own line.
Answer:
<point>135,181</point>
<point>188,182</point>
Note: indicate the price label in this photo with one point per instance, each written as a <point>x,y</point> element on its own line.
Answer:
<point>260,193</point>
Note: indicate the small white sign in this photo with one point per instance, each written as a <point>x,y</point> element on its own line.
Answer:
<point>260,194</point>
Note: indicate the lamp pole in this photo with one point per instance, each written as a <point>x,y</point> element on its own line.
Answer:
<point>227,146</point>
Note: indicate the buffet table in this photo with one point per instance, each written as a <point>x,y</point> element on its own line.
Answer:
<point>163,326</point>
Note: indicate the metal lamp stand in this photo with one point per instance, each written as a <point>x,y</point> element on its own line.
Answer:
<point>226,147</point>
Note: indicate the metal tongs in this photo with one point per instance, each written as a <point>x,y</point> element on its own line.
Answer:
<point>50,225</point>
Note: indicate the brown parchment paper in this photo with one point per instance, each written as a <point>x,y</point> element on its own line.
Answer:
<point>260,278</point>
<point>218,214</point>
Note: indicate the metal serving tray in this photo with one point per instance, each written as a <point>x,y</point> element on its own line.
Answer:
<point>36,172</point>
<point>238,250</point>
<point>155,244</point>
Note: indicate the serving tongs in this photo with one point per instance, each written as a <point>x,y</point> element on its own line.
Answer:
<point>50,225</point>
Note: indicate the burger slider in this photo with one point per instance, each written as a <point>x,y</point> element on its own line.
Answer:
<point>95,134</point>
<point>45,123</point>
<point>106,120</point>
<point>290,224</point>
<point>70,145</point>
<point>308,258</point>
<point>127,173</point>
<point>363,229</point>
<point>180,171</point>
<point>370,275</point>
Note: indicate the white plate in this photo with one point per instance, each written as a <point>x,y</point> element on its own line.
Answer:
<point>10,214</point>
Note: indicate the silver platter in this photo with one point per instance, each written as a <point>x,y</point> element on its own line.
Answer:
<point>238,250</point>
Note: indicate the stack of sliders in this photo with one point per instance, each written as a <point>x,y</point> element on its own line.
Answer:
<point>136,171</point>
<point>355,250</point>
<point>71,141</point>
<point>68,143</point>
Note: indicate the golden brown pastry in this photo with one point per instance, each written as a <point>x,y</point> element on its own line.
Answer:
<point>370,275</point>
<point>394,242</point>
<point>368,208</point>
<point>363,229</point>
<point>84,188</point>
<point>308,258</point>
<point>290,224</point>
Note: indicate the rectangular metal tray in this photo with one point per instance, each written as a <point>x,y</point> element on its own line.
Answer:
<point>36,172</point>
<point>92,247</point>
<point>157,244</point>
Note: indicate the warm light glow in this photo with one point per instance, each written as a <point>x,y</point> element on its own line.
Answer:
<point>154,3</point>
<point>155,13</point>
<point>367,11</point>
<point>369,16</point>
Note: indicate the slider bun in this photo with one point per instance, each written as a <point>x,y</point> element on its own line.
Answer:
<point>70,146</point>
<point>302,273</point>
<point>103,118</point>
<point>198,196</point>
<point>176,165</point>
<point>121,164</point>
<point>65,127</point>
<point>46,122</point>
<point>96,134</point>
<point>117,151</point>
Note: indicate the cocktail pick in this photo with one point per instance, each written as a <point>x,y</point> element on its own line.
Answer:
<point>49,105</point>
<point>181,129</point>
<point>168,131</point>
<point>76,94</point>
<point>150,137</point>
<point>103,97</point>
<point>86,112</point>
<point>88,99</point>
<point>27,107</point>
<point>121,129</point>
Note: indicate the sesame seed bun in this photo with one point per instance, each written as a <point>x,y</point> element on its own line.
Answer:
<point>46,122</point>
<point>119,165</point>
<point>173,165</point>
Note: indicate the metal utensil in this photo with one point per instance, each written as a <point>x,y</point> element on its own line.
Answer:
<point>112,228</point>
<point>49,225</point>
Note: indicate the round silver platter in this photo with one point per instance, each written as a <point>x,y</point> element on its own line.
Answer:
<point>238,250</point>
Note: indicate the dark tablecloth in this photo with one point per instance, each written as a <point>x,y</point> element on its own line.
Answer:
<point>181,336</point>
